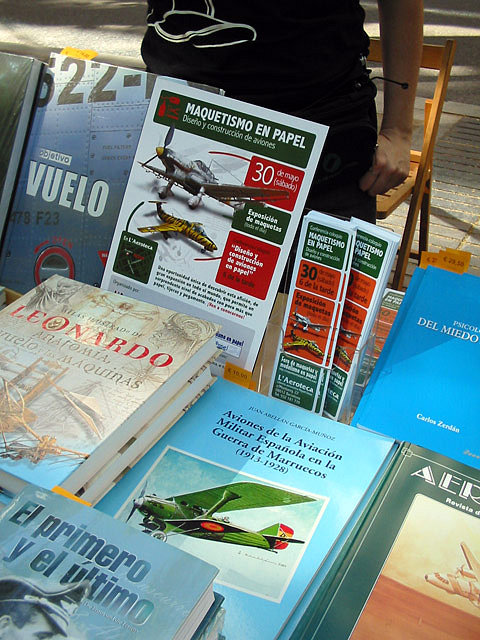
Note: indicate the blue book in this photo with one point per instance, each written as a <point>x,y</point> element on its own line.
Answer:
<point>424,388</point>
<point>73,571</point>
<point>258,487</point>
<point>77,160</point>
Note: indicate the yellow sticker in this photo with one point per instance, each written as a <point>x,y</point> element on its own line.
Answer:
<point>455,260</point>
<point>237,374</point>
<point>63,492</point>
<point>429,258</point>
<point>83,54</point>
<point>449,259</point>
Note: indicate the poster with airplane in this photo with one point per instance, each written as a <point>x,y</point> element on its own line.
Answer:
<point>214,197</point>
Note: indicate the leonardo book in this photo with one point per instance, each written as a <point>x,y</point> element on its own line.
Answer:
<point>68,570</point>
<point>89,379</point>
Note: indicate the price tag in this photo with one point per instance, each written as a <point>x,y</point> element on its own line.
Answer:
<point>83,54</point>
<point>449,259</point>
<point>429,258</point>
<point>66,494</point>
<point>455,260</point>
<point>237,374</point>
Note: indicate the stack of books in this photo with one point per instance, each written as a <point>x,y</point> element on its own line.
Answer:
<point>262,489</point>
<point>90,380</point>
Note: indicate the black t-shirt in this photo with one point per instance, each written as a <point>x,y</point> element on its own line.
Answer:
<point>298,57</point>
<point>282,55</point>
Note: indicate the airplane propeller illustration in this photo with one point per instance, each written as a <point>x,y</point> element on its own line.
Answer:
<point>137,503</point>
<point>166,142</point>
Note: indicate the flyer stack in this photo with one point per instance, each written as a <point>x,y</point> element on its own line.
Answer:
<point>339,278</point>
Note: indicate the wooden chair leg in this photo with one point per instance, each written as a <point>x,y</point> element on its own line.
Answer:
<point>406,243</point>
<point>424,219</point>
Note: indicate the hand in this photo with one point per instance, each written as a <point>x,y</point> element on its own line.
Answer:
<point>391,163</point>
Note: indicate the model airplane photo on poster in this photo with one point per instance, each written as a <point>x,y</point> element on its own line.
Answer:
<point>171,224</point>
<point>195,207</point>
<point>198,179</point>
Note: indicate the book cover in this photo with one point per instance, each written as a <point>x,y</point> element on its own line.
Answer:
<point>424,388</point>
<point>94,484</point>
<point>258,487</point>
<point>211,207</point>
<point>19,80</point>
<point>68,570</point>
<point>413,570</point>
<point>82,371</point>
<point>87,123</point>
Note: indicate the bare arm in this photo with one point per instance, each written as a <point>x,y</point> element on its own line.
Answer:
<point>401,33</point>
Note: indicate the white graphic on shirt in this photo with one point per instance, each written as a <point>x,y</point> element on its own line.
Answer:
<point>201,27</point>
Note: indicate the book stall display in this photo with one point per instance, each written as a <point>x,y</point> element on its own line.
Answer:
<point>185,448</point>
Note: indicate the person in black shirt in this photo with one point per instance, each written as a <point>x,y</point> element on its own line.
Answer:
<point>305,58</point>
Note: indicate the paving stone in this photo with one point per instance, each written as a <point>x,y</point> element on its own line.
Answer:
<point>455,210</point>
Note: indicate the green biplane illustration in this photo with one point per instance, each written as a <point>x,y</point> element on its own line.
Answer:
<point>196,514</point>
